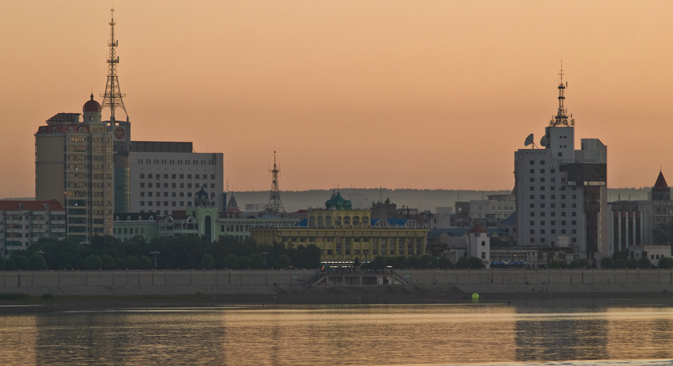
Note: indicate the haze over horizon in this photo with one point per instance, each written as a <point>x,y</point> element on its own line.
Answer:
<point>434,95</point>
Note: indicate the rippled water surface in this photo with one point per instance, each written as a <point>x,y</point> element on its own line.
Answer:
<point>342,335</point>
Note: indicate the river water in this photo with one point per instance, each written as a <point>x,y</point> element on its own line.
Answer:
<point>342,335</point>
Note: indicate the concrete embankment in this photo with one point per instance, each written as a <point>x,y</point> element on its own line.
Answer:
<point>433,283</point>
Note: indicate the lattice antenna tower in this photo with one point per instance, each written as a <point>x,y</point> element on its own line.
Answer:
<point>113,95</point>
<point>275,205</point>
<point>561,118</point>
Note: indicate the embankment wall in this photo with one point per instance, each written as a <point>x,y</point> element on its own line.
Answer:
<point>272,281</point>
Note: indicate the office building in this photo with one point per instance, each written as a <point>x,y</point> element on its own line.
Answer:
<point>23,223</point>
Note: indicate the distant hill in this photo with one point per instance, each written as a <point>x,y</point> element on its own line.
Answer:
<point>423,199</point>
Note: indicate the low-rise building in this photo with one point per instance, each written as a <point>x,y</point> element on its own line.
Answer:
<point>23,223</point>
<point>344,235</point>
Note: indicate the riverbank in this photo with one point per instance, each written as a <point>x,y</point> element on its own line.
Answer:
<point>333,295</point>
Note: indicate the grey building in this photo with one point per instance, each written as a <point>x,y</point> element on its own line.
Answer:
<point>165,176</point>
<point>561,193</point>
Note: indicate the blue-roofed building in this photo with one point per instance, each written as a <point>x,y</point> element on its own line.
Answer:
<point>344,235</point>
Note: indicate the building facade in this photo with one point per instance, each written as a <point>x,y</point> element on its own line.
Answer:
<point>561,193</point>
<point>74,165</point>
<point>165,176</point>
<point>23,223</point>
<point>343,234</point>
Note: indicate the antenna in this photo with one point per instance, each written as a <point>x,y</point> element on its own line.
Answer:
<point>561,118</point>
<point>113,95</point>
<point>529,140</point>
<point>275,206</point>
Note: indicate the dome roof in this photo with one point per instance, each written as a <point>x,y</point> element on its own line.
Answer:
<point>338,203</point>
<point>202,194</point>
<point>91,106</point>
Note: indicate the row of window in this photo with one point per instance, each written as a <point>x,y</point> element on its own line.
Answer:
<point>553,222</point>
<point>179,161</point>
<point>553,214</point>
<point>174,176</point>
<point>553,205</point>
<point>175,185</point>
<point>552,197</point>
<point>173,194</point>
<point>132,231</point>
<point>551,188</point>
<point>158,203</point>
<point>542,171</point>
<point>552,179</point>
<point>553,231</point>
<point>542,240</point>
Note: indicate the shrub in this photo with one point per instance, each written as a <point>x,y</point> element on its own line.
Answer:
<point>14,296</point>
<point>632,263</point>
<point>665,262</point>
<point>574,264</point>
<point>93,262</point>
<point>244,262</point>
<point>230,262</point>
<point>132,262</point>
<point>584,263</point>
<point>47,297</point>
<point>144,262</point>
<point>463,263</point>
<point>256,261</point>
<point>283,261</point>
<point>620,263</point>
<point>644,263</point>
<point>9,264</point>
<point>208,262</point>
<point>108,261</point>
<point>120,263</point>
<point>36,262</point>
<point>607,263</point>
<point>21,262</point>
<point>476,263</point>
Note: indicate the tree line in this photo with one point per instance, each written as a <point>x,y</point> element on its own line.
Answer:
<point>182,252</point>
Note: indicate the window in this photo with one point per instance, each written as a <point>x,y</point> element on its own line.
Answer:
<point>142,194</point>
<point>142,203</point>
<point>541,162</point>
<point>149,176</point>
<point>532,231</point>
<point>212,176</point>
<point>165,176</point>
<point>173,177</point>
<point>543,222</point>
<point>532,205</point>
<point>532,196</point>
<point>189,185</point>
<point>541,205</point>
<point>553,171</point>
<point>149,194</point>
<point>553,231</point>
<point>532,188</point>
<point>574,240</point>
<point>542,231</point>
<point>552,179</point>
<point>165,194</point>
<point>173,194</point>
<point>553,188</point>
<point>560,154</point>
<point>542,188</point>
<point>563,196</point>
<point>182,185</point>
<point>532,162</point>
<point>189,194</point>
<point>573,213</point>
<point>532,240</point>
<point>532,223</point>
<point>563,222</point>
<point>532,214</point>
<point>212,185</point>
<point>542,214</point>
<point>563,231</point>
<point>149,185</point>
<point>182,176</point>
<point>574,222</point>
<point>196,176</point>
<point>563,205</point>
<point>553,196</point>
<point>142,185</point>
<point>542,180</point>
<point>574,196</point>
<point>142,175</point>
<point>189,176</point>
<point>532,180</point>
<point>563,213</point>
<point>173,185</point>
<point>542,197</point>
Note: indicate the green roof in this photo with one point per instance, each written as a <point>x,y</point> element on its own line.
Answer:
<point>338,203</point>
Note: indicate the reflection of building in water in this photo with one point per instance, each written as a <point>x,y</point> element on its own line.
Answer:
<point>552,339</point>
<point>129,338</point>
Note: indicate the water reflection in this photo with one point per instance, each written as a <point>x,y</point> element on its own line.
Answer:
<point>337,335</point>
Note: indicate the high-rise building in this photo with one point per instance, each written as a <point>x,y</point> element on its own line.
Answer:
<point>73,165</point>
<point>23,223</point>
<point>561,193</point>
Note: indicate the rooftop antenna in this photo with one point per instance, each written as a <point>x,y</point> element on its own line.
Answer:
<point>275,206</point>
<point>529,141</point>
<point>561,118</point>
<point>113,95</point>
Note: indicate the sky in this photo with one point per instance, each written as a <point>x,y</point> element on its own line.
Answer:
<point>399,94</point>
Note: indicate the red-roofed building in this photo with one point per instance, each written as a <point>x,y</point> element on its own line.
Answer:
<point>23,223</point>
<point>660,191</point>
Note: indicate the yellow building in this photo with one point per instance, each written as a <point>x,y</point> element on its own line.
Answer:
<point>73,165</point>
<point>343,234</point>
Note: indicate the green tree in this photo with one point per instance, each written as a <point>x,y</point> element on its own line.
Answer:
<point>356,262</point>
<point>120,263</point>
<point>632,263</point>
<point>132,262</point>
<point>108,261</point>
<point>208,261</point>
<point>607,263</point>
<point>2,263</point>
<point>463,263</point>
<point>620,263</point>
<point>574,264</point>
<point>243,262</point>
<point>144,262</point>
<point>665,262</point>
<point>554,264</point>
<point>93,262</point>
<point>9,264</point>
<point>663,234</point>
<point>283,261</point>
<point>584,263</point>
<point>444,263</point>
<point>622,254</point>
<point>256,261</point>
<point>476,263</point>
<point>644,263</point>
<point>231,262</point>
<point>36,262</point>
<point>21,262</point>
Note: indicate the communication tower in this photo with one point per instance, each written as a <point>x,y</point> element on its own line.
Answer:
<point>275,206</point>
<point>561,118</point>
<point>113,95</point>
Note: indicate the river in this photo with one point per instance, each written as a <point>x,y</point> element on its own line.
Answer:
<point>342,335</point>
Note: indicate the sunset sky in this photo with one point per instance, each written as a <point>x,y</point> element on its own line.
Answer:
<point>399,94</point>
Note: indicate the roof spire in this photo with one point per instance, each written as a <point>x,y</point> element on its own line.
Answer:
<point>275,206</point>
<point>561,118</point>
<point>113,95</point>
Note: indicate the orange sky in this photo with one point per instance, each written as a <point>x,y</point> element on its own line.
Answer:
<point>400,94</point>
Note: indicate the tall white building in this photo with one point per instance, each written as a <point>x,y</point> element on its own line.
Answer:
<point>561,193</point>
<point>165,176</point>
